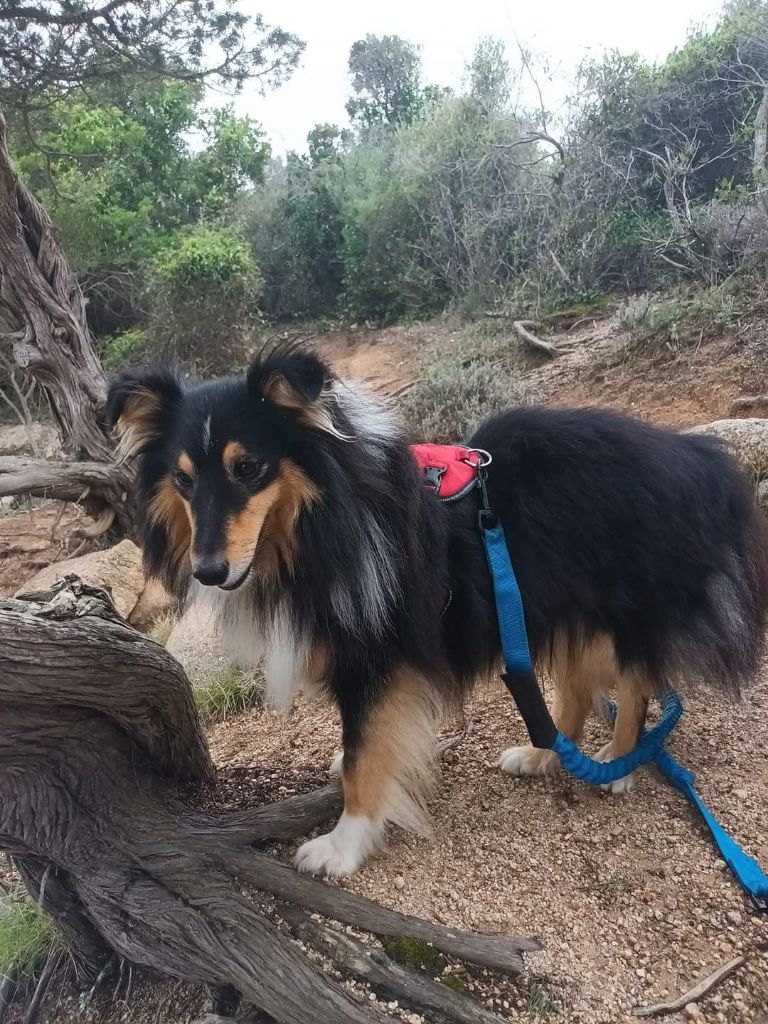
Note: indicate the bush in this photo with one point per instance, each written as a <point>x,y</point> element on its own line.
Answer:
<point>125,349</point>
<point>453,400</point>
<point>204,288</point>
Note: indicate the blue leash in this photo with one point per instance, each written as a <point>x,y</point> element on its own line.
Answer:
<point>521,680</point>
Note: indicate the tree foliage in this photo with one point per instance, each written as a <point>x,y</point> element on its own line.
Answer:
<point>385,72</point>
<point>51,48</point>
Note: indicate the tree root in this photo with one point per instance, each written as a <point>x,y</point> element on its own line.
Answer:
<point>412,988</point>
<point>98,729</point>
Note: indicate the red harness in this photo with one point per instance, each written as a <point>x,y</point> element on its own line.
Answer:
<point>448,470</point>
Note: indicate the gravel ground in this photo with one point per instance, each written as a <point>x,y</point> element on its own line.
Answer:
<point>627,895</point>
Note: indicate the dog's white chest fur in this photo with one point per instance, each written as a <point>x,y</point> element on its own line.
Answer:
<point>249,642</point>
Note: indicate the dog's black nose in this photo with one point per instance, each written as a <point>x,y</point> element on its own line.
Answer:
<point>211,574</point>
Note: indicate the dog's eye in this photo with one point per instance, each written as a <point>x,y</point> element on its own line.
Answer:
<point>183,480</point>
<point>249,471</point>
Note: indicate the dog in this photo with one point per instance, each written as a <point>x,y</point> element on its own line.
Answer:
<point>288,500</point>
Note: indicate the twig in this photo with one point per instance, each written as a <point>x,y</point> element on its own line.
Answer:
<point>99,527</point>
<point>7,992</point>
<point>520,328</point>
<point>57,520</point>
<point>693,995</point>
<point>36,1004</point>
<point>402,389</point>
<point>412,988</point>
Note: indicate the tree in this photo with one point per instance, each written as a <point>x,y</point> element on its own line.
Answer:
<point>386,79</point>
<point>50,50</point>
<point>98,736</point>
<point>489,74</point>
<point>54,47</point>
<point>326,142</point>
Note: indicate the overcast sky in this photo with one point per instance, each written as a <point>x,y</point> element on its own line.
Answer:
<point>561,32</point>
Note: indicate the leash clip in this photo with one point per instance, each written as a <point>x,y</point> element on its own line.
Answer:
<point>486,520</point>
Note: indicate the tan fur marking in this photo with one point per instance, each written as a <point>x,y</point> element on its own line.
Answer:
<point>579,676</point>
<point>233,453</point>
<point>137,423</point>
<point>389,775</point>
<point>168,508</point>
<point>186,465</point>
<point>278,539</point>
<point>244,529</point>
<point>316,414</point>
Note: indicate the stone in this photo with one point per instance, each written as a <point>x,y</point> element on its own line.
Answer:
<point>196,644</point>
<point>748,439</point>
<point>43,442</point>
<point>118,568</point>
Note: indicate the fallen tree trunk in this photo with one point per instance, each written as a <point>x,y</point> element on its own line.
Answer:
<point>98,731</point>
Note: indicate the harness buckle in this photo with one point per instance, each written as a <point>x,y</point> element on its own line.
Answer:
<point>760,902</point>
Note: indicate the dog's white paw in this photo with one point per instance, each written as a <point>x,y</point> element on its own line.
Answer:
<point>528,761</point>
<point>336,764</point>
<point>342,851</point>
<point>619,787</point>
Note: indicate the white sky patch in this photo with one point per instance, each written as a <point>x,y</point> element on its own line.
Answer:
<point>560,33</point>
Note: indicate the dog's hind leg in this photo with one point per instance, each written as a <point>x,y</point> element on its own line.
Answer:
<point>632,693</point>
<point>577,674</point>
<point>386,773</point>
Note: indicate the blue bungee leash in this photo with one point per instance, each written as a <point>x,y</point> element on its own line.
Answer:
<point>522,683</point>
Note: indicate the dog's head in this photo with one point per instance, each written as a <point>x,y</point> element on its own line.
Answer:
<point>219,485</point>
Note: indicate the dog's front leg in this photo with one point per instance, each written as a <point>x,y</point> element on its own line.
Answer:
<point>389,734</point>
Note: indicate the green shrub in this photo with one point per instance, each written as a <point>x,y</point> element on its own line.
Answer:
<point>204,288</point>
<point>125,349</point>
<point>228,694</point>
<point>27,936</point>
<point>454,399</point>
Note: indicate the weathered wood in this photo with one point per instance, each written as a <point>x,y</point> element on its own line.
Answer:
<point>521,329</point>
<point>36,1003</point>
<point>98,729</point>
<point>413,989</point>
<point>7,992</point>
<point>500,952</point>
<point>692,995</point>
<point>42,309</point>
<point>96,484</point>
<point>40,297</point>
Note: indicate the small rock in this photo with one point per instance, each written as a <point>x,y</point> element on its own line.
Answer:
<point>734,916</point>
<point>741,794</point>
<point>692,1011</point>
<point>118,568</point>
<point>399,882</point>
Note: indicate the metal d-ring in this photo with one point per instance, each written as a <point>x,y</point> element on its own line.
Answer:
<point>484,458</point>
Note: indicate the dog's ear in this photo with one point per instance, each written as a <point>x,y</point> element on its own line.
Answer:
<point>292,379</point>
<point>137,403</point>
<point>298,381</point>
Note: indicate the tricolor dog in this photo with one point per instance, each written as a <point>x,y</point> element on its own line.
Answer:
<point>289,500</point>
